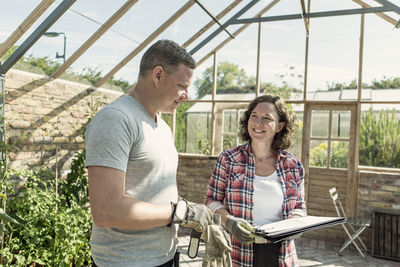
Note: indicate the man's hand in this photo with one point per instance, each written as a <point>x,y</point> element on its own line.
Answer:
<point>218,247</point>
<point>195,216</point>
<point>240,229</point>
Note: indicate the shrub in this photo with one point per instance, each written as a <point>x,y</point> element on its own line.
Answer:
<point>379,139</point>
<point>54,233</point>
<point>379,143</point>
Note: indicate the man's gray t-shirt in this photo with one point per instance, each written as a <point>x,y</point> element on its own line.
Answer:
<point>124,136</point>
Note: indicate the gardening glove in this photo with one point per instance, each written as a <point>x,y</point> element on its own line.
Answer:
<point>192,215</point>
<point>218,247</point>
<point>240,229</point>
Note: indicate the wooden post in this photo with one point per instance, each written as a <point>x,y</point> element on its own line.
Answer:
<point>352,179</point>
<point>24,26</point>
<point>92,39</point>
<point>213,94</point>
<point>211,23</point>
<point>258,60</point>
<point>242,28</point>
<point>305,146</point>
<point>149,39</point>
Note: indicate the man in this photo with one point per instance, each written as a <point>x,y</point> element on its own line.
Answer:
<point>132,163</point>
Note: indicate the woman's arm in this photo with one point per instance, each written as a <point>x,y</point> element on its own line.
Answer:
<point>300,207</point>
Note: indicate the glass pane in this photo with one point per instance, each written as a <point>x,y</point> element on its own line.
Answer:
<point>341,123</point>
<point>318,153</point>
<point>339,154</point>
<point>193,125</point>
<point>167,118</point>
<point>379,135</point>
<point>295,149</point>
<point>228,141</point>
<point>230,121</point>
<point>319,123</point>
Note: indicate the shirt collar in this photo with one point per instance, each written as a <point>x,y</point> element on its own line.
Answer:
<point>281,154</point>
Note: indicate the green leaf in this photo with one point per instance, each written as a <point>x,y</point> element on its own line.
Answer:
<point>6,217</point>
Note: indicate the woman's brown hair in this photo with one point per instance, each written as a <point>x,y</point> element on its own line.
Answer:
<point>284,138</point>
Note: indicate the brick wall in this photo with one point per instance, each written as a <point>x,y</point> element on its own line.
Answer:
<point>47,117</point>
<point>377,191</point>
<point>193,176</point>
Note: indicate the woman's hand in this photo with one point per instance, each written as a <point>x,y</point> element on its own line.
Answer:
<point>240,229</point>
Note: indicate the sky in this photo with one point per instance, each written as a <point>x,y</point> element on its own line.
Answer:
<point>333,50</point>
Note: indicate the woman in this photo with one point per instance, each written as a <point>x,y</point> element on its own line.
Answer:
<point>258,182</point>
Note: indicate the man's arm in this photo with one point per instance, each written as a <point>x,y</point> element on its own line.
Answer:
<point>111,207</point>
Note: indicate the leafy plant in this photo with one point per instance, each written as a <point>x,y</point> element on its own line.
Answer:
<point>379,143</point>
<point>339,155</point>
<point>75,187</point>
<point>55,234</point>
<point>379,139</point>
<point>204,145</point>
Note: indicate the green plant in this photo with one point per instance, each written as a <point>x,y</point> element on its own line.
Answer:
<point>379,139</point>
<point>204,145</point>
<point>55,234</point>
<point>75,188</point>
<point>339,155</point>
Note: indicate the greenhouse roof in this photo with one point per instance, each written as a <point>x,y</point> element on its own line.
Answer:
<point>344,95</point>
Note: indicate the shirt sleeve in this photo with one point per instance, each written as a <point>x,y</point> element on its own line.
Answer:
<point>216,187</point>
<point>300,208</point>
<point>108,140</point>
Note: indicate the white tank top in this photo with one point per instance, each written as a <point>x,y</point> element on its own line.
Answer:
<point>267,199</point>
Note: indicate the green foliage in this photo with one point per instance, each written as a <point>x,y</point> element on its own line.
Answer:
<point>204,145</point>
<point>230,79</point>
<point>379,139</point>
<point>56,227</point>
<point>318,155</point>
<point>339,155</point>
<point>92,75</point>
<point>55,234</point>
<point>44,65</point>
<point>75,188</point>
<point>229,142</point>
<point>180,134</point>
<point>384,83</point>
<point>6,147</point>
<point>342,86</point>
<point>379,143</point>
<point>47,65</point>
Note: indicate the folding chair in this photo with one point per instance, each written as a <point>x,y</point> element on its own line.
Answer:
<point>356,225</point>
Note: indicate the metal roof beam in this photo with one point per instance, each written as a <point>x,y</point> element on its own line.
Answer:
<point>92,39</point>
<point>211,23</point>
<point>226,24</point>
<point>238,31</point>
<point>40,30</point>
<point>25,25</point>
<point>306,21</point>
<point>381,15</point>
<point>149,39</point>
<point>395,8</point>
<point>315,15</point>
<point>214,18</point>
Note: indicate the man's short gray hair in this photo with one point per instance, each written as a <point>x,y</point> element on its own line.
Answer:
<point>165,53</point>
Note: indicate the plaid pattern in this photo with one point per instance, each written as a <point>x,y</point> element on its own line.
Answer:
<point>231,183</point>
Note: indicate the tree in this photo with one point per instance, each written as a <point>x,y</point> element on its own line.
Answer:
<point>385,83</point>
<point>230,78</point>
<point>49,66</point>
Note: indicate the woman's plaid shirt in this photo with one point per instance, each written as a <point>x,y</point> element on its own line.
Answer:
<point>232,183</point>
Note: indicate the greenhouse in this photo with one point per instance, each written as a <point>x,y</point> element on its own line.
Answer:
<point>334,62</point>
